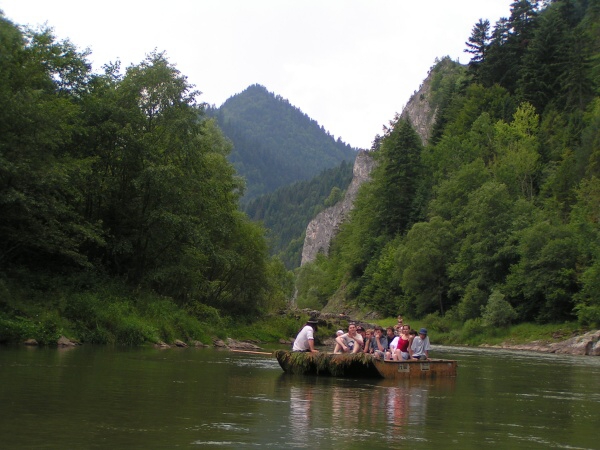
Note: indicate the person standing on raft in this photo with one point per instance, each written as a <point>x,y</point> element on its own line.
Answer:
<point>305,341</point>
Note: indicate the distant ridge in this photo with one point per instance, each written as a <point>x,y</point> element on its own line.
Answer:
<point>275,143</point>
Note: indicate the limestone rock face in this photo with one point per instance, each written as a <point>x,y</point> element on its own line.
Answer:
<point>419,112</point>
<point>325,225</point>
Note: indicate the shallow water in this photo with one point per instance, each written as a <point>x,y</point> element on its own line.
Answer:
<point>101,397</point>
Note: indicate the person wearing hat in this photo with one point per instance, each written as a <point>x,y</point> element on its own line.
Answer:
<point>305,341</point>
<point>420,345</point>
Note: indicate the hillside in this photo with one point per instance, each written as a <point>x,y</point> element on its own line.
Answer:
<point>275,144</point>
<point>286,211</point>
<point>494,221</point>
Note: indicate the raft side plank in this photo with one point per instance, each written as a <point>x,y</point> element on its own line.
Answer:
<point>416,369</point>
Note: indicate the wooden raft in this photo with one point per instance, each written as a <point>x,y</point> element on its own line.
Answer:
<point>399,370</point>
<point>361,365</point>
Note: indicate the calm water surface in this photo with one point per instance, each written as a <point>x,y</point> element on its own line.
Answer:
<point>100,397</point>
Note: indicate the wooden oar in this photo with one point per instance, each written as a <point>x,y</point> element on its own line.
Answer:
<point>251,352</point>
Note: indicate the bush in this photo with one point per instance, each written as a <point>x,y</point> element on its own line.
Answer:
<point>472,328</point>
<point>498,312</point>
<point>436,322</point>
<point>15,329</point>
<point>45,331</point>
<point>205,313</point>
<point>472,301</point>
<point>588,315</point>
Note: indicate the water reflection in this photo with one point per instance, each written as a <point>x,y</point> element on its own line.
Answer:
<point>192,398</point>
<point>301,411</point>
<point>338,408</point>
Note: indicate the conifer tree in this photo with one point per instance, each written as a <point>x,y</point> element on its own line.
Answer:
<point>477,45</point>
<point>399,176</point>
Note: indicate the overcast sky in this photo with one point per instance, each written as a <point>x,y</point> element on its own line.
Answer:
<point>348,64</point>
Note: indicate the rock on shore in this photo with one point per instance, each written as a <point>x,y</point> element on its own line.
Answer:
<point>587,344</point>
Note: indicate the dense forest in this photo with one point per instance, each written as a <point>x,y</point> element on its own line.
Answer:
<point>496,220</point>
<point>274,143</point>
<point>286,212</point>
<point>120,216</point>
<point>117,181</point>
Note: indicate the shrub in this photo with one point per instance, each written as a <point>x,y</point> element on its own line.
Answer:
<point>15,329</point>
<point>436,322</point>
<point>205,313</point>
<point>498,312</point>
<point>588,315</point>
<point>472,328</point>
<point>45,331</point>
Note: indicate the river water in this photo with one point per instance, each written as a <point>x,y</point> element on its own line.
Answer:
<point>101,397</point>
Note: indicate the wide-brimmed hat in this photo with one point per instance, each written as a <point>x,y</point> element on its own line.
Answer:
<point>312,322</point>
<point>423,331</point>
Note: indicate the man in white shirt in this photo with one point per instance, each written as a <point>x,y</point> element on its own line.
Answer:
<point>420,345</point>
<point>305,341</point>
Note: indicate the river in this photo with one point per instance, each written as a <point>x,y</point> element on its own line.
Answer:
<point>101,397</point>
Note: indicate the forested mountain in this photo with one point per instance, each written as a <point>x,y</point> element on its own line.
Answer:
<point>287,211</point>
<point>496,219</point>
<point>274,143</point>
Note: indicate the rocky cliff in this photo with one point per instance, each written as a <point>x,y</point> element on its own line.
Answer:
<point>325,225</point>
<point>419,112</point>
<point>323,228</point>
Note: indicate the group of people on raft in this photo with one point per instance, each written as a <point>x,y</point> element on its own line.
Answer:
<point>398,343</point>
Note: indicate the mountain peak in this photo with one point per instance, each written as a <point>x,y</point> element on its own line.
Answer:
<point>275,143</point>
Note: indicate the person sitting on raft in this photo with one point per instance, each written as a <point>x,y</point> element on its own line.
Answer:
<point>305,341</point>
<point>380,343</point>
<point>363,333</point>
<point>400,345</point>
<point>350,342</point>
<point>369,340</point>
<point>420,345</point>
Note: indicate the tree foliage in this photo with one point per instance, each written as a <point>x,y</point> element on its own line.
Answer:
<point>122,175</point>
<point>275,144</point>
<point>509,230</point>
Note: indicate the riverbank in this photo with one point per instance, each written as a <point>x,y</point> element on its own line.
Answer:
<point>565,338</point>
<point>136,320</point>
<point>587,344</point>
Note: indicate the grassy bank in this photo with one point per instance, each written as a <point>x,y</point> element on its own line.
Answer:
<point>446,331</point>
<point>110,314</point>
<point>107,314</point>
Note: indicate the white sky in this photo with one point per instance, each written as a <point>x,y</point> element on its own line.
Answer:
<point>348,64</point>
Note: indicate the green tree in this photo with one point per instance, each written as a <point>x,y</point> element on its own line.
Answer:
<point>542,284</point>
<point>166,194</point>
<point>422,260</point>
<point>396,179</point>
<point>381,283</point>
<point>477,45</point>
<point>498,312</point>
<point>585,218</point>
<point>452,195</point>
<point>517,164</point>
<point>40,225</point>
<point>484,251</point>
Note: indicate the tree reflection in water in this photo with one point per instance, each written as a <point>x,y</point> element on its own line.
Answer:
<point>340,408</point>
